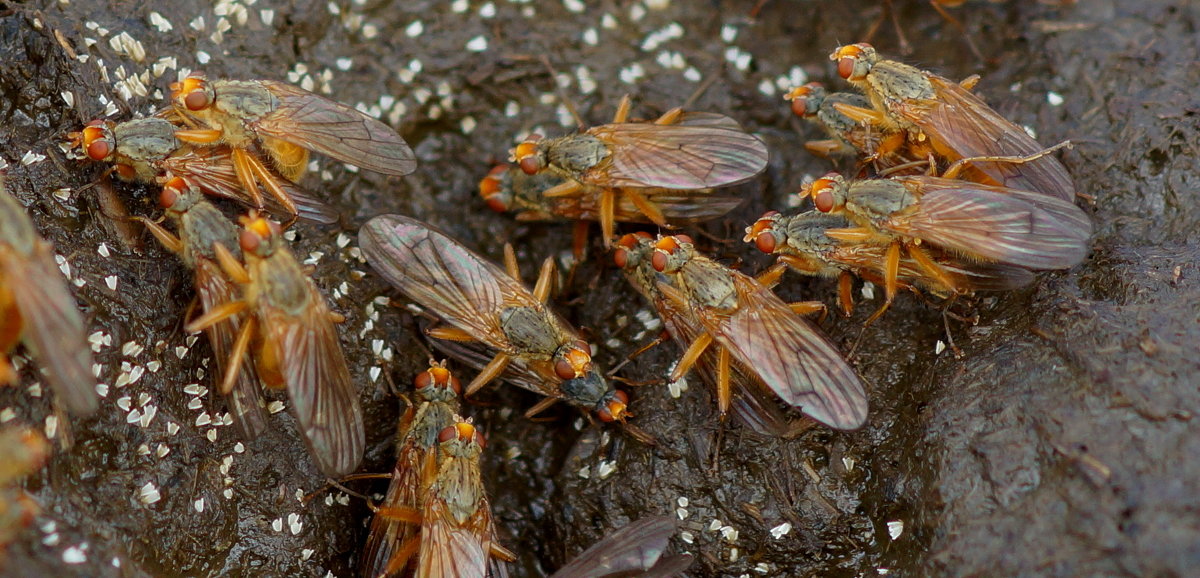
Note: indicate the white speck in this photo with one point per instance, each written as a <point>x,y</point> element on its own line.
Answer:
<point>575,6</point>
<point>129,348</point>
<point>729,533</point>
<point>658,4</point>
<point>682,513</point>
<point>868,290</point>
<point>682,501</point>
<point>228,493</point>
<point>344,63</point>
<point>632,73</point>
<point>153,366</point>
<point>34,389</point>
<point>294,523</point>
<point>51,426</point>
<point>477,44</point>
<point>148,494</point>
<point>687,537</point>
<point>133,417</point>
<point>305,554</point>
<point>468,124</point>
<point>1054,98</point>
<point>714,525</point>
<point>277,524</point>
<point>637,11</point>
<point>267,16</point>
<point>895,528</point>
<point>31,157</point>
<point>202,57</point>
<point>415,29</point>
<point>74,555</point>
<point>342,499</point>
<point>606,468</point>
<point>195,389</point>
<point>111,281</point>
<point>159,23</point>
<point>162,450</point>
<point>729,33</point>
<point>883,571</point>
<point>275,407</point>
<point>591,37</point>
<point>374,373</point>
<point>849,463</point>
<point>51,540</point>
<point>203,419</point>
<point>460,6</point>
<point>63,194</point>
<point>1029,131</point>
<point>172,428</point>
<point>766,87</point>
<point>762,568</point>
<point>211,435</point>
<point>733,555</point>
<point>195,403</point>
<point>939,347</point>
<point>585,472</point>
<point>692,74</point>
<point>488,10</point>
<point>7,414</point>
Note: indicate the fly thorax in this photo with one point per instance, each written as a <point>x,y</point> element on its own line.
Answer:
<point>877,198</point>
<point>529,329</point>
<point>145,141</point>
<point>284,284</point>
<point>899,81</point>
<point>576,153</point>
<point>238,104</point>
<point>710,285</point>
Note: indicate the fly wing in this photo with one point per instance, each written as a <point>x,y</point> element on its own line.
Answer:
<point>628,551</point>
<point>791,356</point>
<point>448,550</point>
<point>961,122</point>
<point>245,400</point>
<point>335,130</point>
<point>753,403</point>
<point>686,206</point>
<point>711,119</point>
<point>387,535</point>
<point>1014,227</point>
<point>212,170</point>
<point>442,276</point>
<point>678,156</point>
<point>54,329</point>
<point>320,391</point>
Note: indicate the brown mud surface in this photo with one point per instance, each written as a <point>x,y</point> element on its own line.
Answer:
<point>1061,443</point>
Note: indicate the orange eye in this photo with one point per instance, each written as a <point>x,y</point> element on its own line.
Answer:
<point>531,165</point>
<point>479,440</point>
<point>496,203</point>
<point>196,100</point>
<point>765,241</point>
<point>621,257</point>
<point>846,66</point>
<point>563,369</point>
<point>800,106</point>
<point>823,199</point>
<point>249,241</point>
<point>423,379</point>
<point>616,408</point>
<point>99,150</point>
<point>171,192</point>
<point>447,434</point>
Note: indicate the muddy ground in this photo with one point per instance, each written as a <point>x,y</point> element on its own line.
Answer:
<point>1061,443</point>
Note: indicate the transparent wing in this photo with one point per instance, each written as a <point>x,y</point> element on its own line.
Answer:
<point>212,170</point>
<point>335,130</point>
<point>791,356</point>
<point>449,550</point>
<point>687,156</point>
<point>629,551</point>
<point>443,276</point>
<point>1016,227</point>
<point>961,122</point>
<point>321,394</point>
<point>245,400</point>
<point>54,330</point>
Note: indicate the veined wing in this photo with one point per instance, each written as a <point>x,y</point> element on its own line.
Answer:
<point>442,276</point>
<point>1015,227</point>
<point>628,551</point>
<point>322,396</point>
<point>54,329</point>
<point>212,170</point>
<point>961,122</point>
<point>245,400</point>
<point>677,156</point>
<point>335,130</point>
<point>791,356</point>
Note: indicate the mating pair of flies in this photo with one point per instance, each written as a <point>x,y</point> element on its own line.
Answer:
<point>266,320</point>
<point>435,520</point>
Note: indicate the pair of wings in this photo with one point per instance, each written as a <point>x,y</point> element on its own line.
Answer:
<point>334,130</point>
<point>753,403</point>
<point>961,125</point>
<point>791,356</point>
<point>633,550</point>
<point>321,394</point>
<point>1021,228</point>
<point>700,150</point>
<point>53,329</point>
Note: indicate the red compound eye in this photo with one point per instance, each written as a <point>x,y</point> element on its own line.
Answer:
<point>823,199</point>
<point>616,408</point>
<point>765,241</point>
